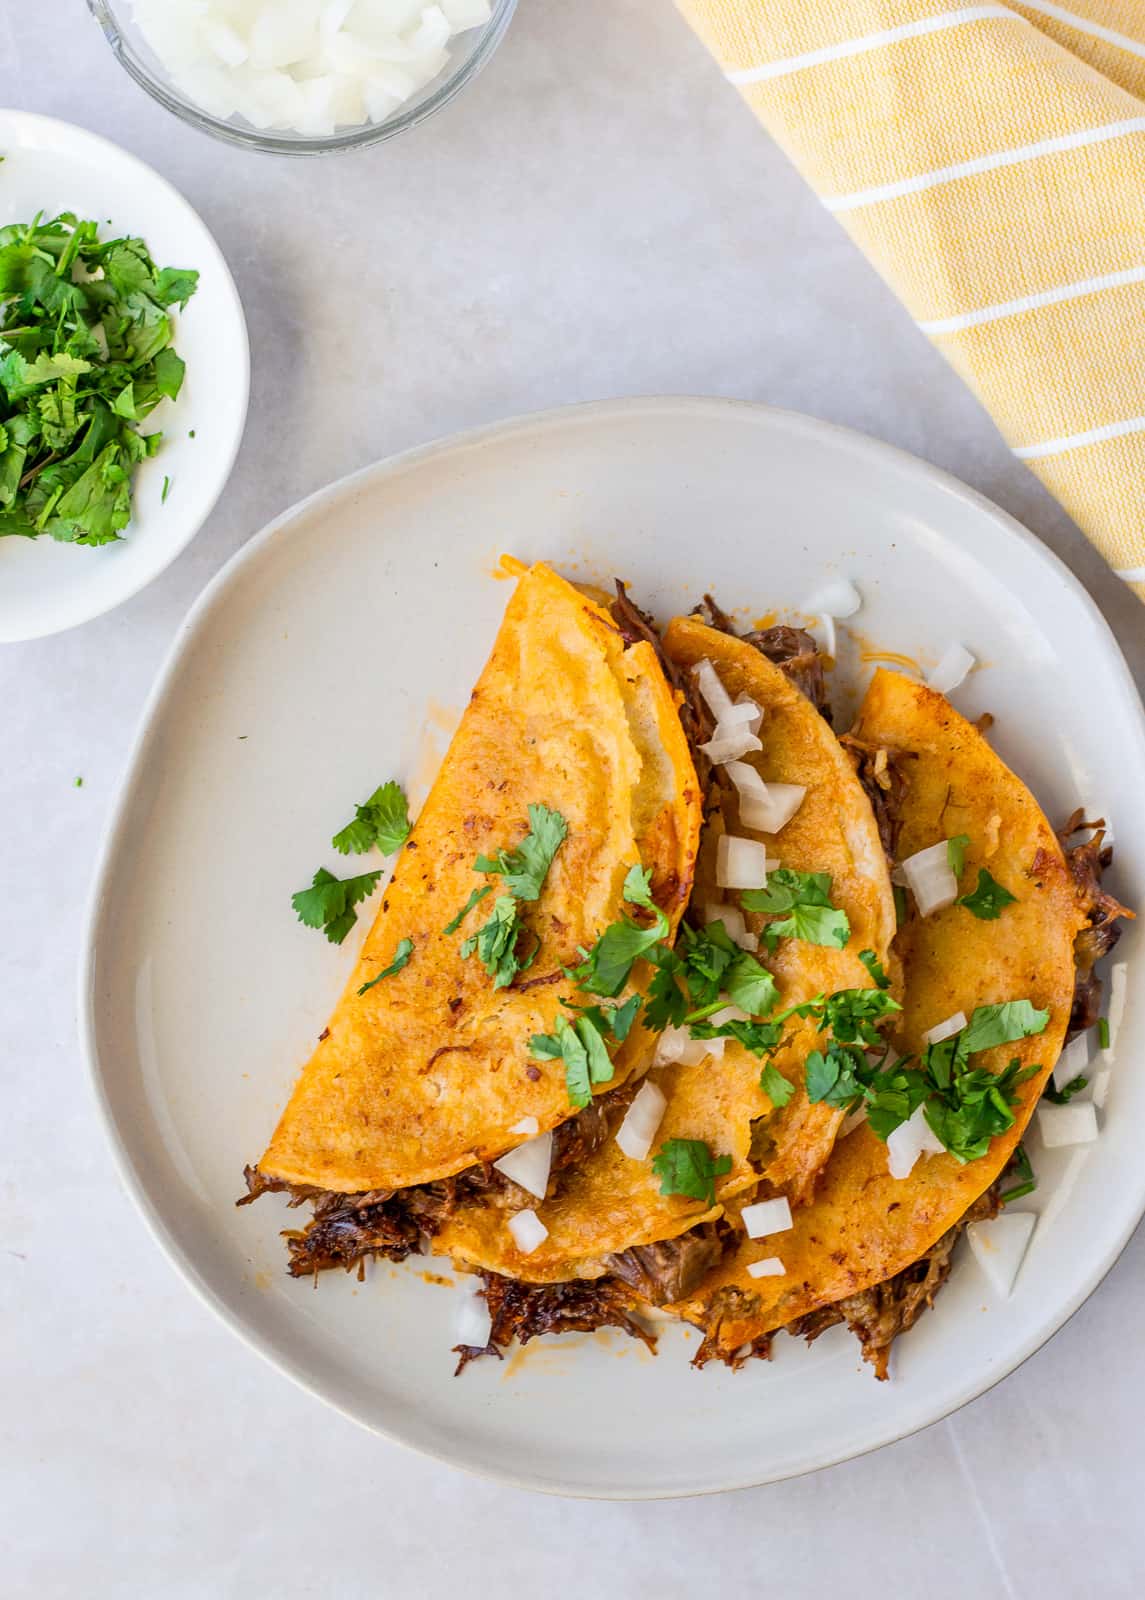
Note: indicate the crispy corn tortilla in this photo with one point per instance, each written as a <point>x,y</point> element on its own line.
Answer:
<point>429,1071</point>
<point>864,1226</point>
<point>610,1203</point>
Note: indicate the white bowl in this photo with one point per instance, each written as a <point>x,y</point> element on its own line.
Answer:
<point>51,166</point>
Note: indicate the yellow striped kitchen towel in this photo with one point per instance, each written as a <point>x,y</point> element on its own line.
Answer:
<point>990,161</point>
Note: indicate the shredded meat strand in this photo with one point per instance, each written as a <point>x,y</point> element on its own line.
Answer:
<point>1086,862</point>
<point>883,775</point>
<point>525,1311</point>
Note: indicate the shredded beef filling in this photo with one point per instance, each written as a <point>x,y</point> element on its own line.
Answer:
<point>1086,862</point>
<point>525,1311</point>
<point>669,1269</point>
<point>883,775</point>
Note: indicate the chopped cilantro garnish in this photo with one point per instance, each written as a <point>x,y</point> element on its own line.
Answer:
<point>79,785</point>
<point>383,821</point>
<point>401,957</point>
<point>966,1106</point>
<point>606,966</point>
<point>836,1075</point>
<point>761,1038</point>
<point>1102,1022</point>
<point>496,943</point>
<point>616,1020</point>
<point>166,490</point>
<point>871,961</point>
<point>85,357</point>
<point>775,1086</point>
<point>802,902</point>
<point>524,868</point>
<point>687,1166</point>
<point>667,998</point>
<point>582,1049</point>
<point>1062,1097</point>
<point>329,902</point>
<point>956,852</point>
<point>988,898</point>
<point>1001,1024</point>
<point>474,899</point>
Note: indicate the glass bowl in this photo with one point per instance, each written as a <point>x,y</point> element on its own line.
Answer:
<point>469,51</point>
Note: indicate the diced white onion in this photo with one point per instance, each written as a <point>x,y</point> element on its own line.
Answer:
<point>308,66</point>
<point>529,1164</point>
<point>641,1122</point>
<point>474,1322</point>
<point>731,917</point>
<point>1072,1062</point>
<point>766,1217</point>
<point>1101,1087</point>
<point>1118,979</point>
<point>741,863</point>
<point>769,1267</point>
<point>999,1246</point>
<point>1075,1123</point>
<point>529,1232</point>
<point>947,1029</point>
<point>930,878</point>
<point>729,742</point>
<point>677,1045</point>
<point>528,1127</point>
<point>742,711</point>
<point>719,701</point>
<point>953,665</point>
<point>910,1140</point>
<point>1063,1188</point>
<point>837,598</point>
<point>766,807</point>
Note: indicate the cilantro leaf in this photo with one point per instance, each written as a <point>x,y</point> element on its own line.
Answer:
<point>805,898</point>
<point>956,852</point>
<point>525,867</point>
<point>668,1001</point>
<point>1023,1170</point>
<point>871,961</point>
<point>383,820</point>
<point>775,1086</point>
<point>749,985</point>
<point>988,898</point>
<point>496,943</point>
<point>616,1020</point>
<point>835,1076</point>
<point>686,1166</point>
<point>1001,1024</point>
<point>329,902</point>
<point>638,887</point>
<point>582,1049</point>
<point>401,958</point>
<point>606,966</point>
<point>474,899</point>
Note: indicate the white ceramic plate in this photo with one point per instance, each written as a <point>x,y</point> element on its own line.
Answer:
<point>51,166</point>
<point>303,677</point>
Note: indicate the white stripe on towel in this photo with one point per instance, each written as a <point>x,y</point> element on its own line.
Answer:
<point>1031,302</point>
<point>868,41</point>
<point>1074,441</point>
<point>999,158</point>
<point>1084,25</point>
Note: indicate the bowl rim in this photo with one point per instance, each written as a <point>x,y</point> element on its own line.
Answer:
<point>272,143</point>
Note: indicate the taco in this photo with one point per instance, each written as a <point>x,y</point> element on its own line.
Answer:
<point>995,981</point>
<point>570,767</point>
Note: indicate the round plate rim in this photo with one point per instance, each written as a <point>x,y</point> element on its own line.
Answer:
<point>902,461</point>
<point>148,176</point>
